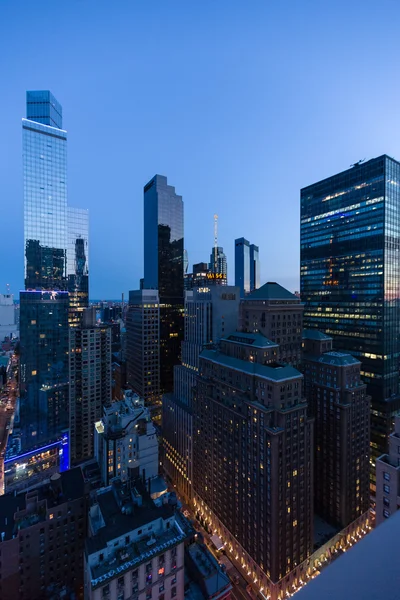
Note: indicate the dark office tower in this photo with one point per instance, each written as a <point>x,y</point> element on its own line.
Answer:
<point>278,314</point>
<point>247,266</point>
<point>43,366</point>
<point>90,382</point>
<point>339,403</point>
<point>210,312</point>
<point>253,457</point>
<point>242,266</point>
<point>350,277</point>
<point>218,263</point>
<point>143,346</point>
<point>78,263</point>
<point>163,268</point>
<point>254,268</point>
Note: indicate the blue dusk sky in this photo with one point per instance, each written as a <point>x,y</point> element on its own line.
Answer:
<point>238,103</point>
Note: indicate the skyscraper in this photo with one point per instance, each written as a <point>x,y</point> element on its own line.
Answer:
<point>341,408</point>
<point>247,268</point>
<point>252,457</point>
<point>143,345</point>
<point>218,263</point>
<point>56,259</point>
<point>254,268</point>
<point>350,277</point>
<point>90,382</point>
<point>78,262</point>
<point>163,268</point>
<point>278,314</point>
<point>210,312</point>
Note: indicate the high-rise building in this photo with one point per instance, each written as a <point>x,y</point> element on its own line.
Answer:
<point>90,382</point>
<point>56,262</point>
<point>44,369</point>
<point>247,268</point>
<point>218,263</point>
<point>135,547</point>
<point>199,277</point>
<point>126,444</point>
<point>278,314</point>
<point>254,268</point>
<point>253,457</point>
<point>8,327</point>
<point>78,262</point>
<point>42,539</point>
<point>143,345</point>
<point>341,408</point>
<point>210,312</point>
<point>388,478</point>
<point>350,277</point>
<point>163,268</point>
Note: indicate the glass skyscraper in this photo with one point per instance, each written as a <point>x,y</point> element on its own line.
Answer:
<point>77,262</point>
<point>56,274</point>
<point>350,276</point>
<point>163,268</point>
<point>218,264</point>
<point>247,268</point>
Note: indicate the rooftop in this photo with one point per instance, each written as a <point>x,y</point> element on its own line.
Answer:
<point>273,372</point>
<point>338,358</point>
<point>272,291</point>
<point>256,340</point>
<point>368,571</point>
<point>314,334</point>
<point>212,577</point>
<point>72,488</point>
<point>118,521</point>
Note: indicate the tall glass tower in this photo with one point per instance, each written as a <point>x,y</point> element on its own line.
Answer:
<point>56,275</point>
<point>247,266</point>
<point>350,276</point>
<point>163,268</point>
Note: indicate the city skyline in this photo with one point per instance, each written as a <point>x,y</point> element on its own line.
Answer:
<point>230,119</point>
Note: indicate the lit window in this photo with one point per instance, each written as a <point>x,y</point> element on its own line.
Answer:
<point>34,372</point>
<point>51,516</point>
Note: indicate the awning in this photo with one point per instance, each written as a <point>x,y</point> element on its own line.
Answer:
<point>217,542</point>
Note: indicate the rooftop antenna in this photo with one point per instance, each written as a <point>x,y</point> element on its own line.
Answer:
<point>7,288</point>
<point>215,243</point>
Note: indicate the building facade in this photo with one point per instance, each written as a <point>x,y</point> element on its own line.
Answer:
<point>210,312</point>
<point>8,326</point>
<point>388,478</point>
<point>135,547</point>
<point>42,540</point>
<point>247,267</point>
<point>218,263</point>
<point>253,458</point>
<point>56,271</point>
<point>350,277</point>
<point>163,268</point>
<point>278,314</point>
<point>44,369</point>
<point>90,383</point>
<point>143,345</point>
<point>125,441</point>
<point>341,408</point>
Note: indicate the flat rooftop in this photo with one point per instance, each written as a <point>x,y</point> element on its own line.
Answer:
<point>368,571</point>
<point>273,372</point>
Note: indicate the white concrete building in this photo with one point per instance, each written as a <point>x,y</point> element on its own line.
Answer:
<point>125,440</point>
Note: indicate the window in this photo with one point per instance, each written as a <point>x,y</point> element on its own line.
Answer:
<point>386,488</point>
<point>386,513</point>
<point>386,501</point>
<point>173,592</point>
<point>106,591</point>
<point>386,476</point>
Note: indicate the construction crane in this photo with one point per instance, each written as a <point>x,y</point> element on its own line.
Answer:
<point>215,244</point>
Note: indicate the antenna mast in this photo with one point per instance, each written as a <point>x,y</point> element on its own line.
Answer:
<point>215,243</point>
